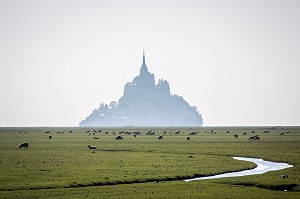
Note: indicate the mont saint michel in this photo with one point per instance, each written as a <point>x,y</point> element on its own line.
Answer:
<point>145,103</point>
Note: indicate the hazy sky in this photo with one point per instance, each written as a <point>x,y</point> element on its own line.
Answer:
<point>237,61</point>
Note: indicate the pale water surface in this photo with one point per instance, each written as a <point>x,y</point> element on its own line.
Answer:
<point>262,167</point>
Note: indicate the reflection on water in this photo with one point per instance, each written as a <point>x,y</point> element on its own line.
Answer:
<point>262,167</point>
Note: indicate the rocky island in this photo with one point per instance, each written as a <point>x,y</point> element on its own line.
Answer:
<point>147,104</point>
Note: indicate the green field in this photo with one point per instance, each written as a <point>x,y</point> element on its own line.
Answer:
<point>145,167</point>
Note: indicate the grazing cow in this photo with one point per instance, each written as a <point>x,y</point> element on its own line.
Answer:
<point>256,137</point>
<point>47,132</point>
<point>227,131</point>
<point>136,133</point>
<point>244,133</point>
<point>24,145</point>
<point>160,137</point>
<point>119,138</point>
<point>177,132</point>
<point>188,138</point>
<point>235,136</point>
<point>281,133</point>
<point>92,147</point>
<point>96,138</point>
<point>150,133</point>
<point>50,137</point>
<point>193,133</point>
<point>284,176</point>
<point>252,131</point>
<point>70,131</point>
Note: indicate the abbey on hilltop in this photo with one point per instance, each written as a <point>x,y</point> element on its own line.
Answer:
<point>145,103</point>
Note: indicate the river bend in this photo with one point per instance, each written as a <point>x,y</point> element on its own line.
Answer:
<point>262,167</point>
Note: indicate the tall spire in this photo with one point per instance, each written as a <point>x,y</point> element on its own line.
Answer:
<point>144,62</point>
<point>144,68</point>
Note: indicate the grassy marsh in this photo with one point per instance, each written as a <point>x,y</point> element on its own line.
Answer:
<point>144,166</point>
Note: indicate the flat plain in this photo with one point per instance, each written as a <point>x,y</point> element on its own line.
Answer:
<point>143,166</point>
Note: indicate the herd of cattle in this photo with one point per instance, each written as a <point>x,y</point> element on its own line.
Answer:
<point>151,133</point>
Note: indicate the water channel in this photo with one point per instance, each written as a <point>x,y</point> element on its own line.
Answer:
<point>262,167</point>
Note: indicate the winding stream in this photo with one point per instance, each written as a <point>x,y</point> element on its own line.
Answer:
<point>262,167</point>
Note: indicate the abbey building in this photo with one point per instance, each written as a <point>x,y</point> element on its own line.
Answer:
<point>145,103</point>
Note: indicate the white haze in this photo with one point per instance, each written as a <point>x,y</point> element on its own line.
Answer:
<point>236,61</point>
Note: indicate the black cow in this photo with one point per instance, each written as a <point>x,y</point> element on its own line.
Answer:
<point>193,133</point>
<point>252,138</point>
<point>24,145</point>
<point>256,137</point>
<point>284,176</point>
<point>119,138</point>
<point>188,138</point>
<point>92,147</point>
<point>160,137</point>
<point>150,133</point>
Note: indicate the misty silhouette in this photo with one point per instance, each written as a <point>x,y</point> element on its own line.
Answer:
<point>145,103</point>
